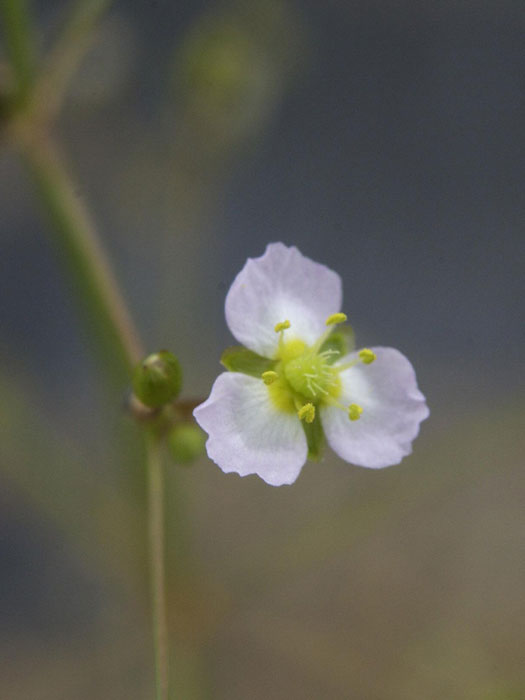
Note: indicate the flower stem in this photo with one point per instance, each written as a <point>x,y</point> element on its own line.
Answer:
<point>157,573</point>
<point>77,240</point>
<point>82,253</point>
<point>78,243</point>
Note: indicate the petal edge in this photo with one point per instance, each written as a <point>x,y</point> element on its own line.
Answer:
<point>393,408</point>
<point>281,285</point>
<point>247,435</point>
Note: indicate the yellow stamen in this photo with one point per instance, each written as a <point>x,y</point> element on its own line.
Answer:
<point>336,318</point>
<point>282,326</point>
<point>354,411</point>
<point>367,356</point>
<point>307,412</point>
<point>269,377</point>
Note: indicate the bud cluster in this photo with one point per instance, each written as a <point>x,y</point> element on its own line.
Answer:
<point>157,382</point>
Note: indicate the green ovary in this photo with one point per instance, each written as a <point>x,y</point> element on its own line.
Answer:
<point>303,376</point>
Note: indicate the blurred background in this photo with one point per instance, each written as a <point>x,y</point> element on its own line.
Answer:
<point>384,139</point>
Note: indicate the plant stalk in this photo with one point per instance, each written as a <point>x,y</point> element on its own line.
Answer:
<point>77,242</point>
<point>157,572</point>
<point>81,251</point>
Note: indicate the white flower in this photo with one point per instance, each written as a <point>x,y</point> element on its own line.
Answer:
<point>284,307</point>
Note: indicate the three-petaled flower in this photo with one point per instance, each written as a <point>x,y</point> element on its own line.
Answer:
<point>295,383</point>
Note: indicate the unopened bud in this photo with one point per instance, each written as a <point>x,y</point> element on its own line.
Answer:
<point>186,442</point>
<point>157,380</point>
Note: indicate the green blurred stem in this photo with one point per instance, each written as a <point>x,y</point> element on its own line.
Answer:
<point>20,43</point>
<point>157,573</point>
<point>76,239</point>
<point>82,252</point>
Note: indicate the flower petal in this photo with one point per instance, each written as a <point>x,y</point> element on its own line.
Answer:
<point>247,434</point>
<point>393,408</point>
<point>281,285</point>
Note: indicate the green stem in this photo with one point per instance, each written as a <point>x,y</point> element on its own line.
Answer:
<point>82,253</point>
<point>76,239</point>
<point>78,243</point>
<point>19,43</point>
<point>158,593</point>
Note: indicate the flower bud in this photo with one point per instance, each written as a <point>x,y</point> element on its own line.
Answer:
<point>157,380</point>
<point>186,442</point>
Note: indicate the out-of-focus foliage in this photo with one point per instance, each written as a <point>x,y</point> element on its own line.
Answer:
<point>231,70</point>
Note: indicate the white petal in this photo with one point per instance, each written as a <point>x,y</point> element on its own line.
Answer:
<point>282,285</point>
<point>247,434</point>
<point>393,408</point>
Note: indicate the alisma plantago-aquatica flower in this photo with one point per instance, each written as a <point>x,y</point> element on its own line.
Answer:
<point>296,382</point>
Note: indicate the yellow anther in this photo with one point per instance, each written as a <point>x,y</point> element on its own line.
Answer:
<point>367,356</point>
<point>282,326</point>
<point>307,412</point>
<point>336,318</point>
<point>354,411</point>
<point>269,377</point>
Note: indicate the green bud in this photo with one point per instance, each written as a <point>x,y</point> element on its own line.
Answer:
<point>186,442</point>
<point>157,380</point>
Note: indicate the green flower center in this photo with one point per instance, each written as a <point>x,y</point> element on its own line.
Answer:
<point>311,376</point>
<point>304,376</point>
